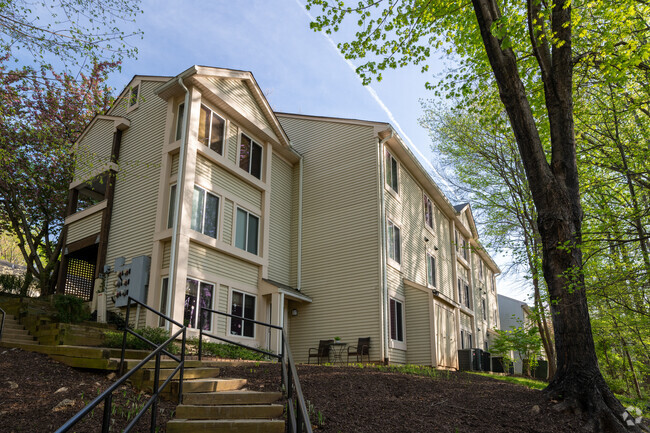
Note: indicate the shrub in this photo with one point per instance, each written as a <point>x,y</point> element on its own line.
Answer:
<point>158,336</point>
<point>70,309</point>
<point>226,351</point>
<point>11,283</point>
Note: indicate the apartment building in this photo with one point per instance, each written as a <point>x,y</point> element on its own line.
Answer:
<point>328,227</point>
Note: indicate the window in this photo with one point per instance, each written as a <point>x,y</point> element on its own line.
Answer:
<point>394,242</point>
<point>469,340</point>
<point>179,121</point>
<point>133,97</point>
<point>462,339</point>
<point>205,212</point>
<point>467,295</point>
<point>250,156</point>
<point>486,346</point>
<point>480,269</point>
<point>460,291</point>
<point>211,129</point>
<point>247,231</point>
<point>431,270</point>
<point>465,339</point>
<point>164,295</point>
<point>172,206</point>
<point>465,249</point>
<point>242,305</point>
<point>396,320</point>
<point>428,212</point>
<point>392,173</point>
<point>198,294</point>
<point>484,309</point>
<point>456,240</point>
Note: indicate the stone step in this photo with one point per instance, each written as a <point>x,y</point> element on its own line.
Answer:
<point>148,374</point>
<point>170,363</point>
<point>15,332</point>
<point>12,324</point>
<point>231,397</point>
<point>230,426</point>
<point>211,385</point>
<point>18,339</point>
<point>265,411</point>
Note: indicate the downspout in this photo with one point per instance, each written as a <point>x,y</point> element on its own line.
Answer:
<point>299,264</point>
<point>179,204</point>
<point>384,254</point>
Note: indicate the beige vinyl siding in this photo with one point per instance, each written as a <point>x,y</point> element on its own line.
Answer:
<point>227,221</point>
<point>166,257</point>
<point>174,170</point>
<point>465,321</point>
<point>220,178</point>
<point>280,222</point>
<point>464,220</point>
<point>414,265</point>
<point>136,188</point>
<point>84,227</point>
<point>340,249</point>
<point>222,305</point>
<point>205,259</point>
<point>444,257</point>
<point>233,139</point>
<point>293,276</point>
<point>244,100</point>
<point>94,149</point>
<point>418,327</point>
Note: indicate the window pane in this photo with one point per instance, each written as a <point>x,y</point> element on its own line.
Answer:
<point>399,321</point>
<point>398,246</point>
<point>207,291</point>
<point>216,137</point>
<point>163,300</point>
<point>172,206</point>
<point>134,96</point>
<point>253,228</point>
<point>391,241</point>
<point>245,153</point>
<point>191,292</point>
<point>256,160</point>
<point>393,166</point>
<point>240,231</point>
<point>179,121</point>
<point>389,175</point>
<point>204,125</point>
<point>210,222</point>
<point>393,328</point>
<point>197,209</point>
<point>249,313</point>
<point>236,309</point>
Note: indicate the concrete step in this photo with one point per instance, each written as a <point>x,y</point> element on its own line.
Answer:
<point>262,411</point>
<point>12,324</point>
<point>231,397</point>
<point>18,339</point>
<point>231,426</point>
<point>170,363</point>
<point>12,332</point>
<point>148,375</point>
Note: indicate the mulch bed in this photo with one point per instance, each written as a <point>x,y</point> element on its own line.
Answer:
<point>359,400</point>
<point>32,385</point>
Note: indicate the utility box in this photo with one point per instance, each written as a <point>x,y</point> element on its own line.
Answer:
<point>132,280</point>
<point>468,360</point>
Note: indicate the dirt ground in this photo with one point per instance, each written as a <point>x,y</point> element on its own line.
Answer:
<point>341,399</point>
<point>32,385</point>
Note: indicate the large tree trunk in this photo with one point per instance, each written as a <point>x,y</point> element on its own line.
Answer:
<point>555,189</point>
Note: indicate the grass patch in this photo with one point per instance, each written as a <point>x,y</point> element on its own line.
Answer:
<point>225,351</point>
<point>524,381</point>
<point>416,370</point>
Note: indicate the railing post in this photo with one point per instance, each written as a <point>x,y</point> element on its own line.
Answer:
<point>126,326</point>
<point>106,420</point>
<point>180,379</point>
<point>200,331</point>
<point>154,405</point>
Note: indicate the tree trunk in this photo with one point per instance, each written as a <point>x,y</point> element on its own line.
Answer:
<point>555,189</point>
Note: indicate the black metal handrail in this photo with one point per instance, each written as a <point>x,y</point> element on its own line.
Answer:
<point>2,324</point>
<point>297,413</point>
<point>107,396</point>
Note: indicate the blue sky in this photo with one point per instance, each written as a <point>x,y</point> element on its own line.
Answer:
<point>299,70</point>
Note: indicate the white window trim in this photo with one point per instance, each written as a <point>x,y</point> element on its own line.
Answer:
<point>259,229</point>
<point>250,161</point>
<point>431,228</point>
<point>397,165</point>
<point>226,124</point>
<point>435,259</point>
<point>229,321</point>
<point>179,121</point>
<point>206,191</point>
<point>397,265</point>
<point>215,296</point>
<point>396,344</point>
<point>135,106</point>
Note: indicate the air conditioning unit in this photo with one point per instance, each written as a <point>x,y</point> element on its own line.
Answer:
<point>468,359</point>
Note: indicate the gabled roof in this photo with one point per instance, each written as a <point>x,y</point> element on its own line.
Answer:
<point>201,77</point>
<point>467,210</point>
<point>460,207</point>
<point>127,89</point>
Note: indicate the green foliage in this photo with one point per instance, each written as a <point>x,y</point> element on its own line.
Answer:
<point>70,309</point>
<point>155,335</point>
<point>524,381</point>
<point>11,283</point>
<point>226,351</point>
<point>524,340</point>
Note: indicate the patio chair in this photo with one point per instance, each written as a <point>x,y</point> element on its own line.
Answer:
<point>323,351</point>
<point>362,348</point>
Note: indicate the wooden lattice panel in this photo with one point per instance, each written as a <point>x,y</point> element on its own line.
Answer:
<point>80,278</point>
